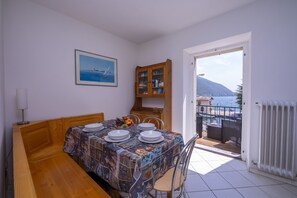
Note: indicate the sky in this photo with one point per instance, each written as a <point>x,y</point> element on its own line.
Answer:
<point>225,69</point>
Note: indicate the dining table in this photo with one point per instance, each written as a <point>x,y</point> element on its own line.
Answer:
<point>130,166</point>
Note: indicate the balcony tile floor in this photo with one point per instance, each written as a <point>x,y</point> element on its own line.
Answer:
<point>213,175</point>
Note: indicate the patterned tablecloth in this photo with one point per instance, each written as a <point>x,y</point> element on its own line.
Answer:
<point>130,166</point>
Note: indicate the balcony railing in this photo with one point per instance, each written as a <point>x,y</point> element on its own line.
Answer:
<point>212,113</point>
<point>210,119</point>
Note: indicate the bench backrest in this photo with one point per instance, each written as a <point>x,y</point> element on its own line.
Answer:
<point>42,134</point>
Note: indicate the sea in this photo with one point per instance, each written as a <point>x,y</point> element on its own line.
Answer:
<point>96,76</point>
<point>229,101</point>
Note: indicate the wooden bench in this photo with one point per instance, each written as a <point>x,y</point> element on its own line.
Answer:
<point>42,169</point>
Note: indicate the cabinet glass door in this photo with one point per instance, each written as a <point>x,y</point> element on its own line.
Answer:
<point>143,83</point>
<point>158,81</point>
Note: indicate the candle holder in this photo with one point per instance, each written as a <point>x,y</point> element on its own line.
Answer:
<point>22,104</point>
<point>23,119</point>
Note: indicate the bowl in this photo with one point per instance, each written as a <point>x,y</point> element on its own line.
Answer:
<point>118,134</point>
<point>146,125</point>
<point>150,135</point>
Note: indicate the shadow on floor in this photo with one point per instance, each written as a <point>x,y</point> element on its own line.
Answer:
<point>105,186</point>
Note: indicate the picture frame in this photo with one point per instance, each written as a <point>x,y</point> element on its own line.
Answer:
<point>95,69</point>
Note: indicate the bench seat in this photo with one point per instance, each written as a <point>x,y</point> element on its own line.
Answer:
<point>60,176</point>
<point>42,169</point>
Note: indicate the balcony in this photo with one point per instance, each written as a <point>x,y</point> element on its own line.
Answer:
<point>219,127</point>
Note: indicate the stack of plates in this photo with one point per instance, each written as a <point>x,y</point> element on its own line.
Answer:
<point>93,127</point>
<point>151,137</point>
<point>117,136</point>
<point>146,126</point>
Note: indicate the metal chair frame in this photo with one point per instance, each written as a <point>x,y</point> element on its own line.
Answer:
<point>182,164</point>
<point>155,120</point>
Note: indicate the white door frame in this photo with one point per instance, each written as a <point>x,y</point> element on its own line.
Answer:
<point>189,103</point>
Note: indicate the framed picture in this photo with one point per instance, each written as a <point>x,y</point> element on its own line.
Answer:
<point>94,69</point>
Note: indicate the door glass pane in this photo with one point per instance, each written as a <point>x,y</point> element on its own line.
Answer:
<point>143,82</point>
<point>158,81</point>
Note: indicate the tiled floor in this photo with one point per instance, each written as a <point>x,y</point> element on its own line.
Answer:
<point>217,176</point>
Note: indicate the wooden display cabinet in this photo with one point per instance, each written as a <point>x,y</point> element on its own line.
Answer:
<point>154,81</point>
<point>150,81</point>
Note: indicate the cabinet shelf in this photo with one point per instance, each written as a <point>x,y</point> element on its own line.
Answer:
<point>158,87</point>
<point>153,74</point>
<point>158,74</point>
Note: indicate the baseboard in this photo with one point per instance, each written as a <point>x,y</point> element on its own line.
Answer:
<point>275,177</point>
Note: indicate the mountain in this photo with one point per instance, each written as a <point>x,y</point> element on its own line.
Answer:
<point>208,88</point>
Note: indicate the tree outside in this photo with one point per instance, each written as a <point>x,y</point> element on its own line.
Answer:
<point>239,95</point>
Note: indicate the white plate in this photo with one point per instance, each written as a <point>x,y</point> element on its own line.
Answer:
<point>94,125</point>
<point>118,134</point>
<point>92,130</point>
<point>146,125</point>
<point>107,139</point>
<point>150,135</point>
<point>151,142</point>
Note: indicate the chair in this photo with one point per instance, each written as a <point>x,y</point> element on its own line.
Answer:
<point>231,128</point>
<point>214,132</point>
<point>157,121</point>
<point>175,177</point>
<point>199,124</point>
<point>134,118</point>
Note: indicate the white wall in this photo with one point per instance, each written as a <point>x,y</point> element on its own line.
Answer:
<point>2,137</point>
<point>272,24</point>
<point>39,55</point>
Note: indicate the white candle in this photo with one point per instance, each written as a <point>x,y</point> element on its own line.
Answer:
<point>21,98</point>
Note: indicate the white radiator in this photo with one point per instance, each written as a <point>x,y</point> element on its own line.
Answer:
<point>277,135</point>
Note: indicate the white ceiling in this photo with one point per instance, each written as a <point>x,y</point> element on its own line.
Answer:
<point>142,20</point>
